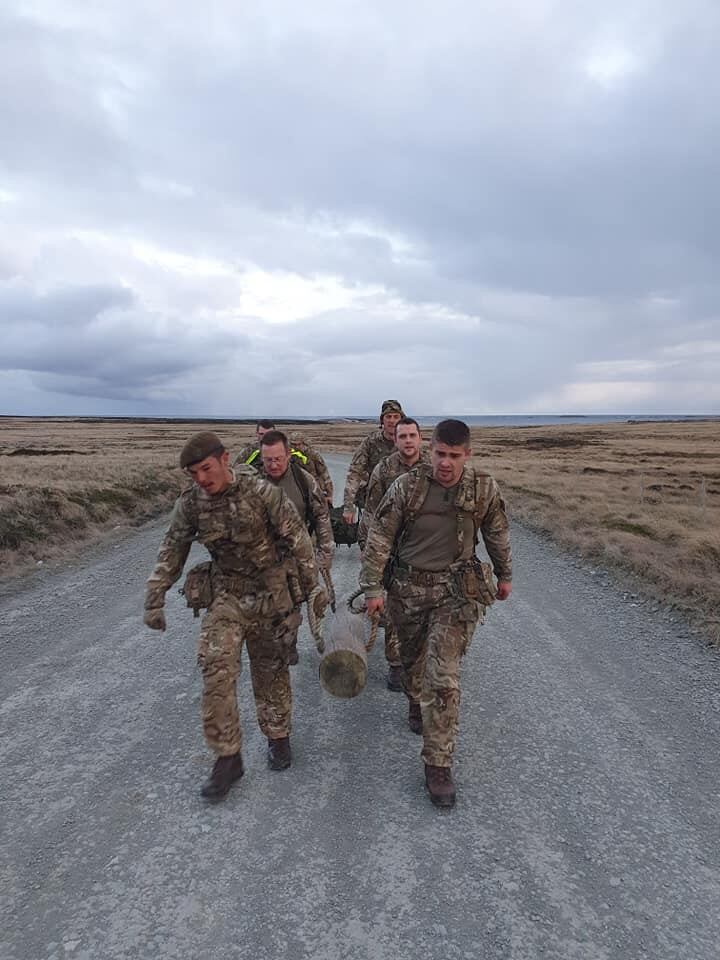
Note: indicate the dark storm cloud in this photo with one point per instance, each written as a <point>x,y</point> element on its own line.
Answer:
<point>97,341</point>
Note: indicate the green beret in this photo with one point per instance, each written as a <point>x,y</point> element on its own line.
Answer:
<point>200,446</point>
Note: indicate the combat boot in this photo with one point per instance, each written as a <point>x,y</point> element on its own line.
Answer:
<point>225,772</point>
<point>394,678</point>
<point>279,756</point>
<point>293,658</point>
<point>415,717</point>
<point>439,784</point>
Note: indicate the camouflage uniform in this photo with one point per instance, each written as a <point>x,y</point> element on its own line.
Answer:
<point>434,620</point>
<point>305,495</point>
<point>381,479</point>
<point>247,451</point>
<point>314,511</point>
<point>251,456</point>
<point>388,470</point>
<point>256,541</point>
<point>315,464</point>
<point>371,451</point>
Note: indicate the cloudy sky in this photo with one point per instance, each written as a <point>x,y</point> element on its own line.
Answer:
<point>303,208</point>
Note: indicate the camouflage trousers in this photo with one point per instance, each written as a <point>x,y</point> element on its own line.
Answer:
<point>392,644</point>
<point>225,627</point>
<point>434,630</point>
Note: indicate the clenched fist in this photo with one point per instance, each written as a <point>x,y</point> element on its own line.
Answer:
<point>155,618</point>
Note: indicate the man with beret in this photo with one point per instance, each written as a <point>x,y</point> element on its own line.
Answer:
<point>374,448</point>
<point>262,567</point>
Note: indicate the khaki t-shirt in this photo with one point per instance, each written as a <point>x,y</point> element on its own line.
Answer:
<point>289,485</point>
<point>431,542</point>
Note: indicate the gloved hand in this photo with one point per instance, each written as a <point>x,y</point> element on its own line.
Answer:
<point>155,618</point>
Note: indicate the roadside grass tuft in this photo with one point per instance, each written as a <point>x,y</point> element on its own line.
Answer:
<point>637,529</point>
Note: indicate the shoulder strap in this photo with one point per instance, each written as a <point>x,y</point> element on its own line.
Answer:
<point>253,456</point>
<point>417,490</point>
<point>302,478</point>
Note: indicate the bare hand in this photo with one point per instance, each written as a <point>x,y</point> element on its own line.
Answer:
<point>155,618</point>
<point>375,606</point>
<point>504,589</point>
<point>349,516</point>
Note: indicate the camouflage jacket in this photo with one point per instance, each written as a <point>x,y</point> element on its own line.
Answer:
<point>381,478</point>
<point>251,456</point>
<point>477,493</point>
<point>317,467</point>
<point>371,451</point>
<point>317,513</point>
<point>246,452</point>
<point>249,529</point>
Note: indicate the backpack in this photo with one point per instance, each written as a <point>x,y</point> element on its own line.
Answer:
<point>343,532</point>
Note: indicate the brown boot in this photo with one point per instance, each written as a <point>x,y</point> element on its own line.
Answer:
<point>279,756</point>
<point>415,717</point>
<point>225,772</point>
<point>394,678</point>
<point>293,657</point>
<point>439,784</point>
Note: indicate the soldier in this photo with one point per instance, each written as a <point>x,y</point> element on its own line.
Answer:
<point>314,464</point>
<point>262,566</point>
<point>281,469</point>
<point>428,523</point>
<point>409,452</point>
<point>251,451</point>
<point>372,450</point>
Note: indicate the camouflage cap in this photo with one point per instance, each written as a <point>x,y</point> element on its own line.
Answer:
<point>200,446</point>
<point>391,406</point>
<point>297,438</point>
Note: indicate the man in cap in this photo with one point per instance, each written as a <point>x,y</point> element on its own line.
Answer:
<point>409,451</point>
<point>427,525</point>
<point>375,447</point>
<point>280,468</point>
<point>259,548</point>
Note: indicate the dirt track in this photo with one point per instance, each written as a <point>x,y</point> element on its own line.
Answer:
<point>587,771</point>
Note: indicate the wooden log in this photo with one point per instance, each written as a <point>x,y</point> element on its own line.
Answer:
<point>343,667</point>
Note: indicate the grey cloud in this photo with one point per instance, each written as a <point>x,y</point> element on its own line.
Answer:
<point>551,210</point>
<point>99,339</point>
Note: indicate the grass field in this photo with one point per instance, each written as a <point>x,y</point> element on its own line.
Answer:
<point>640,496</point>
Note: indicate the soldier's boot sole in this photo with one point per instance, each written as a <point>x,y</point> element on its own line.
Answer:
<point>224,774</point>
<point>440,787</point>
<point>279,756</point>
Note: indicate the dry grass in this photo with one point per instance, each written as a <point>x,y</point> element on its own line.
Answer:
<point>644,497</point>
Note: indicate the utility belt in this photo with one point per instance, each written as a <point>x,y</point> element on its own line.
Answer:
<point>470,579</point>
<point>425,577</point>
<point>279,586</point>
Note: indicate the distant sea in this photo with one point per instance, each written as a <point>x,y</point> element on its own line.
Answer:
<point>542,421</point>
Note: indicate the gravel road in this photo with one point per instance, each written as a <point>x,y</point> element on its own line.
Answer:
<point>587,768</point>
